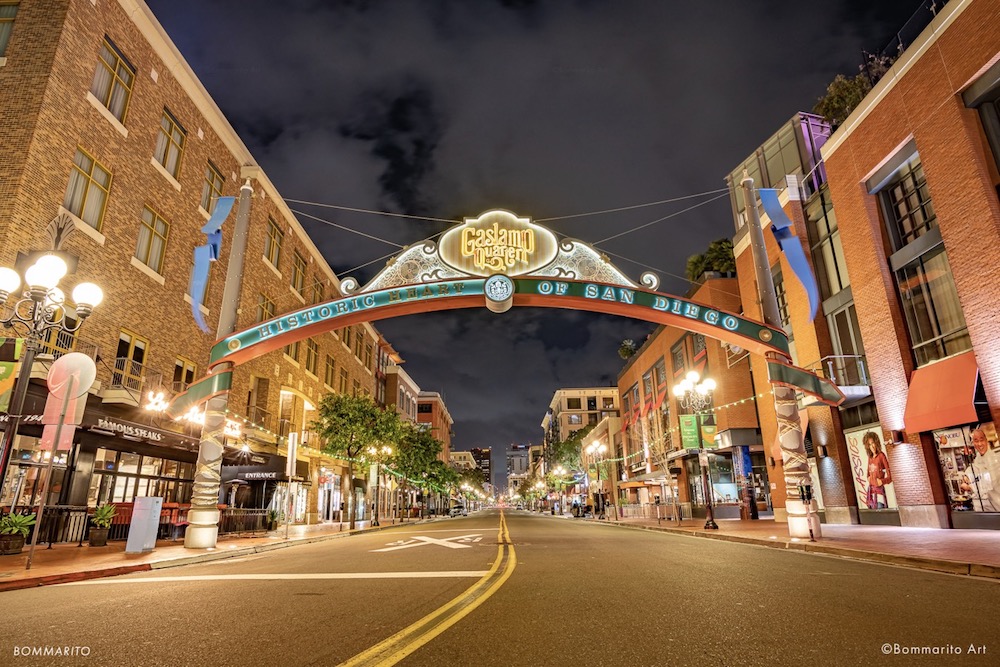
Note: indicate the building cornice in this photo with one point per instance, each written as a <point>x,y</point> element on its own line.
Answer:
<point>949,13</point>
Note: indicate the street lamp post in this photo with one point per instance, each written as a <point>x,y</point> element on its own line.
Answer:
<point>560,472</point>
<point>39,312</point>
<point>596,450</point>
<point>695,394</point>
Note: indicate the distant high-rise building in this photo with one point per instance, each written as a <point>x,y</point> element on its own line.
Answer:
<point>517,460</point>
<point>482,456</point>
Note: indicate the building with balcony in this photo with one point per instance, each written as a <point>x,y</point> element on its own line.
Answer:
<point>916,195</point>
<point>462,461</point>
<point>107,129</point>
<point>432,412</point>
<point>831,344</point>
<point>573,409</point>
<point>657,445</point>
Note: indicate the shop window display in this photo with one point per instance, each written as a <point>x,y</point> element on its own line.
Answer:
<point>970,461</point>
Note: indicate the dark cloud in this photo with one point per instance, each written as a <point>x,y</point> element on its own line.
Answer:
<point>450,108</point>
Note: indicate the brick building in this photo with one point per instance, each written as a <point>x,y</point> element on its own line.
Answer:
<point>658,433</point>
<point>897,216</point>
<point>914,175</point>
<point>432,411</point>
<point>105,125</point>
<point>831,344</point>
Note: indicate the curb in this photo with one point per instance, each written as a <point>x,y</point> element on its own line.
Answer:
<point>70,577</point>
<point>915,562</point>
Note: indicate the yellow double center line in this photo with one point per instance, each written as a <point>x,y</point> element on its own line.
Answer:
<point>408,640</point>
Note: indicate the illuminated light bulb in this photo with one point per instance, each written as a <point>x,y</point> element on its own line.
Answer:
<point>46,272</point>
<point>9,280</point>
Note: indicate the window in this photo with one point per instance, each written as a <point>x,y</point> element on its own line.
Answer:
<point>647,384</point>
<point>112,84</point>
<point>424,408</point>
<point>359,342</point>
<point>591,418</point>
<point>609,403</point>
<point>318,295</point>
<point>591,402</point>
<point>346,338</point>
<point>272,244</point>
<point>698,345</point>
<point>184,371</point>
<point>292,350</point>
<point>298,272</point>
<point>907,204</point>
<point>781,156</point>
<point>329,378</point>
<point>343,380</point>
<point>575,418</point>
<point>129,360</point>
<point>212,188</point>
<point>87,190</point>
<point>265,308</point>
<point>357,388</point>
<point>660,373</point>
<point>170,144</point>
<point>827,251</point>
<point>779,292</point>
<point>312,353</point>
<point>677,358</point>
<point>8,10</point>
<point>934,316</point>
<point>368,355</point>
<point>152,240</point>
<point>573,404</point>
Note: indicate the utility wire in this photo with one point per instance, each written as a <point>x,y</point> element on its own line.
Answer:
<point>365,210</point>
<point>346,229</point>
<point>666,217</point>
<point>629,208</point>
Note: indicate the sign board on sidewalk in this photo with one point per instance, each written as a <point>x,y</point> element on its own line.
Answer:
<point>145,524</point>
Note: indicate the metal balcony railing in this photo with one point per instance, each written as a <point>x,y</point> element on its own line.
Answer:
<point>131,375</point>
<point>261,417</point>
<point>849,370</point>
<point>64,342</point>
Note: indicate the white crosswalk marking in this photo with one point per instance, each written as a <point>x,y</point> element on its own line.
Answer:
<point>422,540</point>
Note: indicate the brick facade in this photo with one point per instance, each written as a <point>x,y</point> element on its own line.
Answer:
<point>47,113</point>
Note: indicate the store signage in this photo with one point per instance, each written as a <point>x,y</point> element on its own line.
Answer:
<point>271,474</point>
<point>25,419</point>
<point>707,319</point>
<point>129,430</point>
<point>497,242</point>
<point>233,429</point>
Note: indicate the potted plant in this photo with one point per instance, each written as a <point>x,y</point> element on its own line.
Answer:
<point>14,530</point>
<point>101,524</point>
<point>272,519</point>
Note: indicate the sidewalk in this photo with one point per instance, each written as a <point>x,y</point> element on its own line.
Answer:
<point>967,552</point>
<point>64,563</point>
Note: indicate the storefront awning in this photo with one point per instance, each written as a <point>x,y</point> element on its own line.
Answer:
<point>941,394</point>
<point>631,485</point>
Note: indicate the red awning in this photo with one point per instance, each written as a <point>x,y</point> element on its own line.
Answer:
<point>941,394</point>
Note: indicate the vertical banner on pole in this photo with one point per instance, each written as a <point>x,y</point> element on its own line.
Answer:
<point>10,352</point>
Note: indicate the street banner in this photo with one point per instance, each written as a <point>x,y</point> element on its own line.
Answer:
<point>10,352</point>
<point>690,438</point>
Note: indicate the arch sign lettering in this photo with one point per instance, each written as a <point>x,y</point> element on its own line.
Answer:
<point>501,260</point>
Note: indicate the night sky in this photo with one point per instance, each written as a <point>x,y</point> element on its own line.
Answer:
<point>448,108</point>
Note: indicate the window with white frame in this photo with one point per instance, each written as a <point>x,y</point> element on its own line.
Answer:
<point>152,242</point>
<point>170,144</point>
<point>87,190</point>
<point>112,84</point>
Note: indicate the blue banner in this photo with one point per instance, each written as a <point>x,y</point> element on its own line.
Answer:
<point>781,227</point>
<point>206,254</point>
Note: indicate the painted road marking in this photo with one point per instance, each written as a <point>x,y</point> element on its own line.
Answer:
<point>277,576</point>
<point>397,647</point>
<point>457,542</point>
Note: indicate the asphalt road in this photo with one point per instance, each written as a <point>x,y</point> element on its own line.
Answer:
<point>565,592</point>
